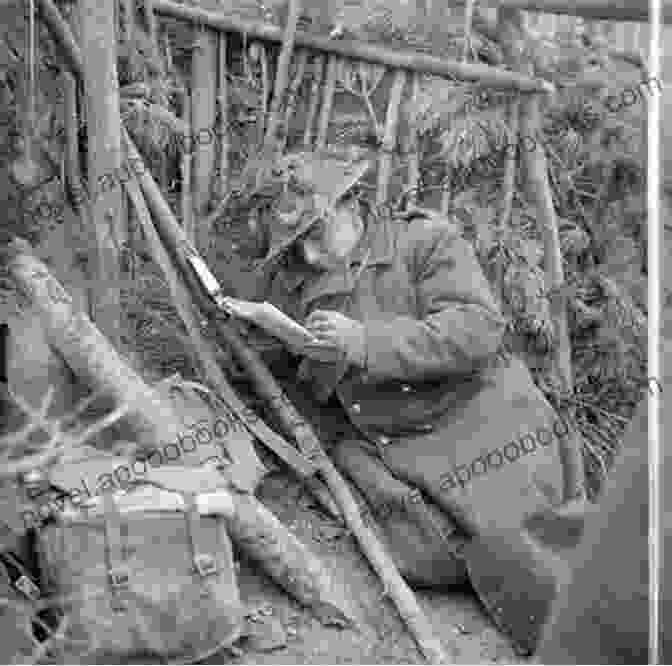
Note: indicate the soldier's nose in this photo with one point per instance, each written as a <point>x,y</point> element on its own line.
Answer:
<point>311,254</point>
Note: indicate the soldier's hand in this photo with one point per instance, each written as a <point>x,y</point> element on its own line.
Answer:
<point>416,211</point>
<point>332,328</point>
<point>242,309</point>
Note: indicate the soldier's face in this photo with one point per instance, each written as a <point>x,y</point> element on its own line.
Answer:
<point>329,242</point>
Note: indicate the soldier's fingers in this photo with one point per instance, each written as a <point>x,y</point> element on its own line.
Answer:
<point>324,336</point>
<point>319,326</point>
<point>317,317</point>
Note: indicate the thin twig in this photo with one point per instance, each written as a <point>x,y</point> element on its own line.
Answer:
<point>318,75</point>
<point>327,101</point>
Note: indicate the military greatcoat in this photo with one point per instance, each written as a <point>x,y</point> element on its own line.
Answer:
<point>442,427</point>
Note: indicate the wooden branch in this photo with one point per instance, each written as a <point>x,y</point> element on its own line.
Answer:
<point>536,171</point>
<point>295,426</point>
<point>468,22</point>
<point>318,75</point>
<point>74,182</point>
<point>186,199</point>
<point>632,58</point>
<point>327,101</point>
<point>600,10</point>
<point>87,351</point>
<point>101,94</point>
<point>76,188</point>
<point>150,23</point>
<point>490,76</point>
<point>510,166</point>
<point>168,50</point>
<point>412,147</point>
<point>223,117</point>
<point>62,34</point>
<point>447,187</point>
<point>293,91</point>
<point>390,136</point>
<point>262,115</point>
<point>128,8</point>
<point>203,104</point>
<point>287,560</point>
<point>393,583</point>
<point>274,139</point>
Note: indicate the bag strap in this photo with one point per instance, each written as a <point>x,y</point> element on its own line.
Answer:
<point>118,576</point>
<point>18,575</point>
<point>205,564</point>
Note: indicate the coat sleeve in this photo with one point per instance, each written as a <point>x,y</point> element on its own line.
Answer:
<point>458,323</point>
<point>273,352</point>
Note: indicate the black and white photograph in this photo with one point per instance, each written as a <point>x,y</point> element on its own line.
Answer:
<point>334,332</point>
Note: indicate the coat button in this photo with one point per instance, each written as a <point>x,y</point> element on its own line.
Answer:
<point>383,441</point>
<point>356,407</point>
<point>406,388</point>
<point>427,427</point>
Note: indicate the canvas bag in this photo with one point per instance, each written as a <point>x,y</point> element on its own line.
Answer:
<point>212,431</point>
<point>151,585</point>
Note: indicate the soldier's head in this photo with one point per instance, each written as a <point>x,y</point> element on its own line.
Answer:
<point>315,215</point>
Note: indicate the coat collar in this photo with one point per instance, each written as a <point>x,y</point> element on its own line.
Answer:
<point>377,241</point>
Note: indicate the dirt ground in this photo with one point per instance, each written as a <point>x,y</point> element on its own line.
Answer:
<point>458,619</point>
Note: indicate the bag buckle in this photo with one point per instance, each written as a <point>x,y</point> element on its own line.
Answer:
<point>119,578</point>
<point>27,587</point>
<point>205,565</point>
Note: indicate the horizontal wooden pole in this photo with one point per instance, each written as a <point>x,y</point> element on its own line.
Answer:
<point>598,10</point>
<point>417,62</point>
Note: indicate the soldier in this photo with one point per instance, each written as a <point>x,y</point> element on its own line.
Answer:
<point>429,422</point>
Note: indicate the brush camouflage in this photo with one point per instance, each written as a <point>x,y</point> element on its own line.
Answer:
<point>312,184</point>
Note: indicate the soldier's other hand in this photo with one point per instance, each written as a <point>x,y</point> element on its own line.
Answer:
<point>333,328</point>
<point>416,211</point>
<point>241,309</point>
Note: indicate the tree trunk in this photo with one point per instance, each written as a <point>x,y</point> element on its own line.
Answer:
<point>275,133</point>
<point>293,92</point>
<point>151,24</point>
<point>62,35</point>
<point>412,144</point>
<point>223,117</point>
<point>537,187</point>
<point>203,106</point>
<point>318,74</point>
<point>186,200</point>
<point>75,187</point>
<point>327,101</point>
<point>600,10</point>
<point>540,189</point>
<point>128,9</point>
<point>87,351</point>
<point>390,136</point>
<point>101,88</point>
